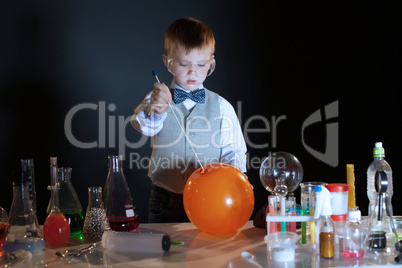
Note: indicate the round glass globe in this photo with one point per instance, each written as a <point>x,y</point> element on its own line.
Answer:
<point>281,173</point>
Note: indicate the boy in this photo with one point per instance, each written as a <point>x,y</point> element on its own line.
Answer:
<point>212,129</point>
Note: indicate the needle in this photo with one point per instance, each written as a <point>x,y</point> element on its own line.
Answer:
<point>182,129</point>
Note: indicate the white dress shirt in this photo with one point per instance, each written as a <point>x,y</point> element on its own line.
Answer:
<point>233,146</point>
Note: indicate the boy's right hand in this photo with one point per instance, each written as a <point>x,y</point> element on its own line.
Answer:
<point>160,98</point>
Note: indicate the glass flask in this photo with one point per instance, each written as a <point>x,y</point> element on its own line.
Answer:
<point>281,173</point>
<point>56,228</point>
<point>3,231</point>
<point>69,203</point>
<point>30,177</point>
<point>120,209</point>
<point>96,221</point>
<point>381,236</point>
<point>23,228</point>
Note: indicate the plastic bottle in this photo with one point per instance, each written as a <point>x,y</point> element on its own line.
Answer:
<point>353,242</point>
<point>325,233</point>
<point>119,205</point>
<point>56,227</point>
<point>378,164</point>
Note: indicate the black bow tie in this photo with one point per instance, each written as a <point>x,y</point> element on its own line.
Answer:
<point>197,95</point>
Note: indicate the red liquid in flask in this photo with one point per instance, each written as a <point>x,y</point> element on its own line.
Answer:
<point>356,254</point>
<point>123,224</point>
<point>3,234</point>
<point>56,229</point>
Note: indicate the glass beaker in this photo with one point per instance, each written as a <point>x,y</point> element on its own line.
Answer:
<point>69,203</point>
<point>23,228</point>
<point>56,227</point>
<point>308,200</point>
<point>96,221</point>
<point>119,205</point>
<point>3,230</point>
<point>30,177</point>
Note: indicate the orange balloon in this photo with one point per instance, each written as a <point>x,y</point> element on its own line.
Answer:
<point>219,199</point>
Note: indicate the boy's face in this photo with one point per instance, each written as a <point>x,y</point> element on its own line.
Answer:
<point>189,69</point>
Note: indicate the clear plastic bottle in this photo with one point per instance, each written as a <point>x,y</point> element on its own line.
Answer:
<point>69,203</point>
<point>24,231</point>
<point>381,238</point>
<point>379,164</point>
<point>353,242</point>
<point>119,205</point>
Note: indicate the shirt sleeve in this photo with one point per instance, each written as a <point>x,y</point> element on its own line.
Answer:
<point>149,125</point>
<point>233,145</point>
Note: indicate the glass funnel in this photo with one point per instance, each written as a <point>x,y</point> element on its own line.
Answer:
<point>281,173</point>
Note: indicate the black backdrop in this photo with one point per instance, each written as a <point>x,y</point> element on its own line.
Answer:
<point>277,60</point>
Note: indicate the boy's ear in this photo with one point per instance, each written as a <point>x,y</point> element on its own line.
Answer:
<point>165,60</point>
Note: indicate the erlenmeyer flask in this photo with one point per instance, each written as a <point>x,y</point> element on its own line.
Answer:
<point>23,230</point>
<point>96,221</point>
<point>56,228</point>
<point>120,209</point>
<point>381,237</point>
<point>69,203</point>
<point>3,230</point>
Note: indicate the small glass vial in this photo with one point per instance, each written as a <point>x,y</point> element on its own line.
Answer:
<point>353,242</point>
<point>327,238</point>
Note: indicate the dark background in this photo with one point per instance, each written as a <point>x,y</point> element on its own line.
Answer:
<point>275,59</point>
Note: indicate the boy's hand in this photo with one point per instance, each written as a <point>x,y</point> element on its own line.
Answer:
<point>160,98</point>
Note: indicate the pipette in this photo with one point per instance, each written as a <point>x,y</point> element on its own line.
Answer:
<point>182,129</point>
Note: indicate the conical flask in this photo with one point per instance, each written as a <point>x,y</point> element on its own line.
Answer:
<point>3,231</point>
<point>23,231</point>
<point>120,209</point>
<point>381,235</point>
<point>69,203</point>
<point>96,221</point>
<point>56,227</point>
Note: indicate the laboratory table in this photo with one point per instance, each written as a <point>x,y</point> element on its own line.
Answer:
<point>199,250</point>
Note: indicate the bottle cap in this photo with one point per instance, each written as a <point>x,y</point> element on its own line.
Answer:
<point>354,215</point>
<point>338,217</point>
<point>378,150</point>
<point>337,187</point>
